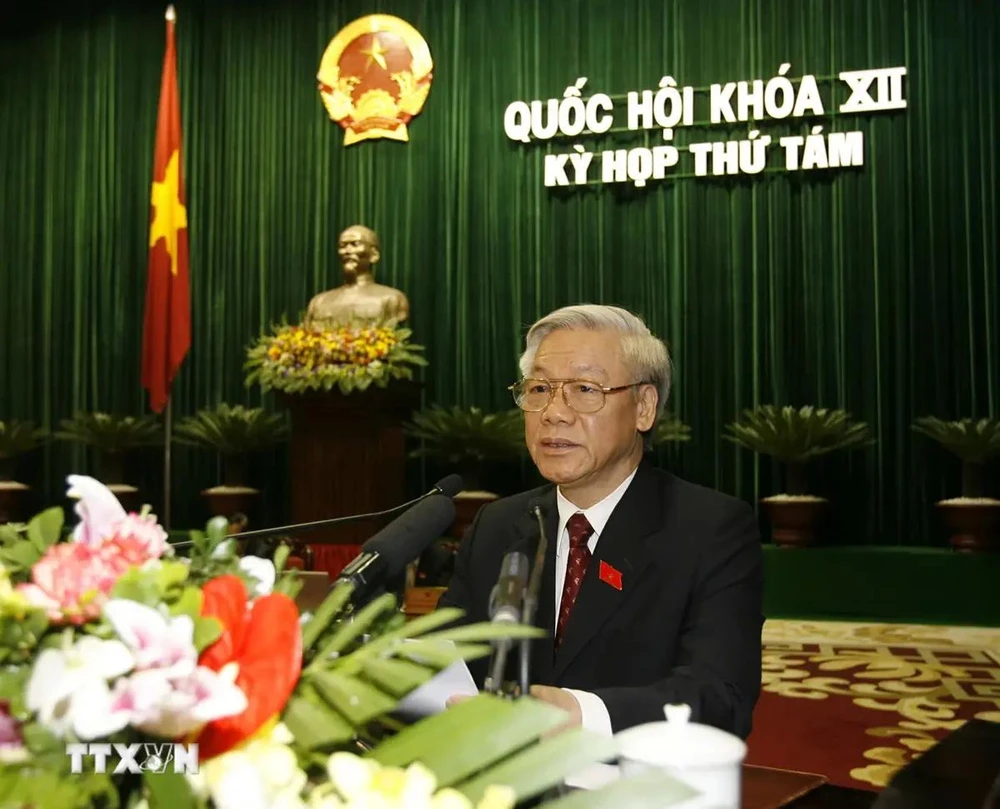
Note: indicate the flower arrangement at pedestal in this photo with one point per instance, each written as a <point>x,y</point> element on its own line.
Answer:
<point>131,677</point>
<point>294,359</point>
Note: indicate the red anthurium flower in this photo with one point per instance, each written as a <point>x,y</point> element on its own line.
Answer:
<point>265,641</point>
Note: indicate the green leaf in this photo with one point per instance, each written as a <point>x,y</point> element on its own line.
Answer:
<point>45,529</point>
<point>396,677</point>
<point>169,790</point>
<point>355,699</point>
<point>281,558</point>
<point>19,557</point>
<point>206,632</point>
<point>350,631</point>
<point>188,603</point>
<point>486,632</point>
<point>330,608</point>
<point>507,725</point>
<point>650,790</point>
<point>137,585</point>
<point>540,767</point>
<point>9,535</point>
<point>314,725</point>
<point>441,654</point>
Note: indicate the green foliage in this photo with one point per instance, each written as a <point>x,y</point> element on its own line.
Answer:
<point>213,554</point>
<point>972,440</point>
<point>797,435</point>
<point>23,787</point>
<point>18,437</point>
<point>669,430</point>
<point>451,745</point>
<point>295,359</point>
<point>23,545</point>
<point>232,429</point>
<point>457,435</point>
<point>167,583</point>
<point>111,433</point>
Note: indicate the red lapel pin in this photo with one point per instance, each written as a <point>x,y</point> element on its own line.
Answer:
<point>610,575</point>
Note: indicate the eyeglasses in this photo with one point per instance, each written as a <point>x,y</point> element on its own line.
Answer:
<point>584,396</point>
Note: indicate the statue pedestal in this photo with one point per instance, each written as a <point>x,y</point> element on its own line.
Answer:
<point>347,456</point>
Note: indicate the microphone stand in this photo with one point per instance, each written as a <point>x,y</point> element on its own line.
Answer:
<point>531,601</point>
<point>301,528</point>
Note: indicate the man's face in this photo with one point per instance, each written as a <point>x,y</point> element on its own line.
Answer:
<point>569,447</point>
<point>356,251</point>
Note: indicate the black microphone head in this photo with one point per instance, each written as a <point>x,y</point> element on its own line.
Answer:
<point>405,538</point>
<point>450,486</point>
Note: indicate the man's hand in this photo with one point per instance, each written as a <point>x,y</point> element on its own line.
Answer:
<point>561,699</point>
<point>454,699</point>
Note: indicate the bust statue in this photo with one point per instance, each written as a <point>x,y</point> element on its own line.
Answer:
<point>359,300</point>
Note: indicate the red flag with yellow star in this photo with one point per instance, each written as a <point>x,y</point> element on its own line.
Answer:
<point>167,327</point>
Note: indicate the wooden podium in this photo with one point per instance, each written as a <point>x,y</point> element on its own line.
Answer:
<point>347,456</point>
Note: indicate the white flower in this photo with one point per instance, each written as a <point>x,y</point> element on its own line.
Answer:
<point>68,689</point>
<point>171,707</point>
<point>364,784</point>
<point>262,570</point>
<point>156,640</point>
<point>263,773</point>
<point>99,510</point>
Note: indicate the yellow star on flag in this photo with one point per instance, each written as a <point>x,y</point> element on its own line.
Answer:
<point>170,215</point>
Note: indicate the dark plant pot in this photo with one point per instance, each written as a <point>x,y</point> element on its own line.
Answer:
<point>230,501</point>
<point>973,525</point>
<point>795,523</point>
<point>12,497</point>
<point>467,505</point>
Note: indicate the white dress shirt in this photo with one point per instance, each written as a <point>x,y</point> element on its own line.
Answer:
<point>595,712</point>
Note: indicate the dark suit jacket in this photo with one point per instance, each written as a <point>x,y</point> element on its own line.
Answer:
<point>684,628</point>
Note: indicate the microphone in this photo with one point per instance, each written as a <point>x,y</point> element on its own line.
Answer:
<point>448,486</point>
<point>508,593</point>
<point>531,597</point>
<point>387,554</point>
<point>505,608</point>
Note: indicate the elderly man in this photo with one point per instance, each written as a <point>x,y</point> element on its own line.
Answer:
<point>652,588</point>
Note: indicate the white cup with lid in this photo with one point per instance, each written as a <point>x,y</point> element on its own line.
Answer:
<point>705,758</point>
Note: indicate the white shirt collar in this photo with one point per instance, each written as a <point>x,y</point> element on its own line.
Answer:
<point>597,515</point>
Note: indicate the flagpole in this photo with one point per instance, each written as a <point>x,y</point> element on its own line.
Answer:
<point>167,423</point>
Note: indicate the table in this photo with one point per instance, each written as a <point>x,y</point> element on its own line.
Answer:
<point>770,788</point>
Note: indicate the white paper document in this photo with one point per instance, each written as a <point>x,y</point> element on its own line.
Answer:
<point>430,698</point>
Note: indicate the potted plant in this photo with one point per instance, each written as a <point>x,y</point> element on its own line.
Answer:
<point>113,438</point>
<point>670,430</point>
<point>973,519</point>
<point>469,441</point>
<point>233,432</point>
<point>16,439</point>
<point>796,436</point>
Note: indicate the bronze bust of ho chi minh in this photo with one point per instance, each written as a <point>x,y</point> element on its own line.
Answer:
<point>359,301</point>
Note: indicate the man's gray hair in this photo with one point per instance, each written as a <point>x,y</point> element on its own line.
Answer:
<point>644,354</point>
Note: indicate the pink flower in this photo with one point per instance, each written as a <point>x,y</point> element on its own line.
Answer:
<point>10,730</point>
<point>136,539</point>
<point>72,581</point>
<point>12,749</point>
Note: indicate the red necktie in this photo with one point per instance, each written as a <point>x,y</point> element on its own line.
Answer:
<point>579,557</point>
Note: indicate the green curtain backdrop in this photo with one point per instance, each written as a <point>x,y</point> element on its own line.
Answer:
<point>874,289</point>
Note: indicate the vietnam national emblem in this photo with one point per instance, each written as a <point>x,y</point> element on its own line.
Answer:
<point>374,78</point>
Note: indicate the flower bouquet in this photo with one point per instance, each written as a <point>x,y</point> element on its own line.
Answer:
<point>133,677</point>
<point>293,359</point>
